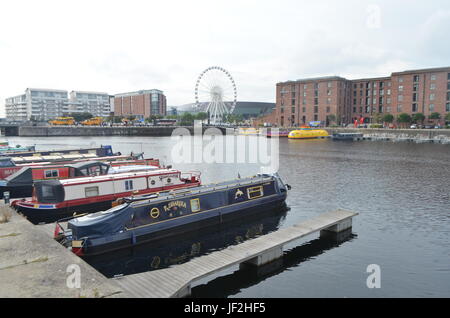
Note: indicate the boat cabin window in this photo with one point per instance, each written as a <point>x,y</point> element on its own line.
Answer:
<point>51,174</point>
<point>50,191</point>
<point>128,184</point>
<point>91,192</point>
<point>195,205</point>
<point>255,192</point>
<point>6,163</point>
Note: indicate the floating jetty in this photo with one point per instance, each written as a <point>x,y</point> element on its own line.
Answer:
<point>348,136</point>
<point>177,281</point>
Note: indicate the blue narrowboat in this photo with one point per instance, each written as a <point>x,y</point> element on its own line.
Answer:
<point>145,218</point>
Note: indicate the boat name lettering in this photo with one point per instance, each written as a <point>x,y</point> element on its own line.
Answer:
<point>178,203</point>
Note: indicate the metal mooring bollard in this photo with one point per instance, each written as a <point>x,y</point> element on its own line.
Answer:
<point>6,197</point>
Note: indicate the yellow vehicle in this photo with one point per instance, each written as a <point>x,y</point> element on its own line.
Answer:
<point>95,121</point>
<point>308,133</point>
<point>62,121</point>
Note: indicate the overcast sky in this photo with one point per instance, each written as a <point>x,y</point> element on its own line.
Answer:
<point>120,46</point>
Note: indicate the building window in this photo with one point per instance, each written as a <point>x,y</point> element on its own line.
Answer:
<point>304,109</point>
<point>328,109</point>
<point>433,77</point>
<point>399,108</point>
<point>293,110</point>
<point>433,86</point>
<point>415,87</point>
<point>316,101</point>
<point>316,109</point>
<point>282,110</point>
<point>432,96</point>
<point>448,86</point>
<point>354,109</point>
<point>414,108</point>
<point>447,107</point>
<point>293,102</point>
<point>316,117</point>
<point>416,78</point>
<point>389,92</point>
<point>316,86</point>
<point>329,92</point>
<point>305,86</point>
<point>448,77</point>
<point>328,100</point>
<point>448,96</point>
<point>400,79</point>
<point>400,88</point>
<point>400,98</point>
<point>415,97</point>
<point>431,108</point>
<point>330,84</point>
<point>293,95</point>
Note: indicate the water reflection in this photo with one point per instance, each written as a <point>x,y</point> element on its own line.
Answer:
<point>248,276</point>
<point>182,248</point>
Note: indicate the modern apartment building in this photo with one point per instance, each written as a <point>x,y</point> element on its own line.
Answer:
<point>96,103</point>
<point>140,104</point>
<point>41,104</point>
<point>341,101</point>
<point>45,104</point>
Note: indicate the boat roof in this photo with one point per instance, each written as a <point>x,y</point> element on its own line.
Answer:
<point>110,177</point>
<point>174,194</point>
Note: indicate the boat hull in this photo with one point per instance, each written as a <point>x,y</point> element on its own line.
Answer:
<point>48,213</point>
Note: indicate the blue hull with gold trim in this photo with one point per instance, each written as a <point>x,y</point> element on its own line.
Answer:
<point>145,218</point>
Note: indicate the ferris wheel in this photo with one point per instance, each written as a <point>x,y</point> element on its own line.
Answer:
<point>216,89</point>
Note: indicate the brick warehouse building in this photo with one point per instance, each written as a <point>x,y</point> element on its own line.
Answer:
<point>336,100</point>
<point>141,104</point>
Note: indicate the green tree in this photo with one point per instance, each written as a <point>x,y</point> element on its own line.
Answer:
<point>447,117</point>
<point>187,119</point>
<point>388,118</point>
<point>201,116</point>
<point>418,118</point>
<point>435,116</point>
<point>404,118</point>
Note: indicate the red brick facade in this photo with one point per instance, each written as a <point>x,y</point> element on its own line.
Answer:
<point>336,100</point>
<point>140,104</point>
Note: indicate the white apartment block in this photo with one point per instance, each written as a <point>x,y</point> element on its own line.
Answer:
<point>46,104</point>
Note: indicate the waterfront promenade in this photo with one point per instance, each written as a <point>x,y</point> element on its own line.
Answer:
<point>32,264</point>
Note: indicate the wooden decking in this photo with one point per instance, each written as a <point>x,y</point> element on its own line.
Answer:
<point>176,281</point>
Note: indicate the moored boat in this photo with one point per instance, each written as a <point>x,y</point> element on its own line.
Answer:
<point>102,151</point>
<point>145,218</point>
<point>20,183</point>
<point>308,133</point>
<point>9,165</point>
<point>56,199</point>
